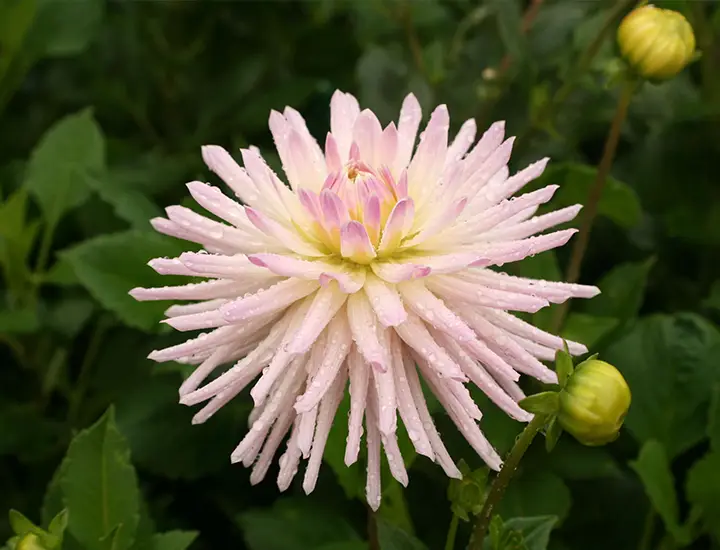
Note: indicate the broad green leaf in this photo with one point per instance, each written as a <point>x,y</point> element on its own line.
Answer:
<point>703,490</point>
<point>349,545</point>
<point>619,202</point>
<point>653,467</point>
<point>394,507</point>
<point>588,329</point>
<point>713,429</point>
<point>26,434</point>
<point>172,540</point>
<point>392,537</point>
<point>573,461</point>
<point>70,150</point>
<point>536,493</point>
<point>99,487</point>
<point>17,237</point>
<point>66,28</point>
<point>69,315</point>
<point>535,530</point>
<point>129,204</point>
<point>21,321</point>
<point>541,403</point>
<point>623,290</point>
<point>109,266</point>
<point>670,366</point>
<point>293,524</point>
<point>157,427</point>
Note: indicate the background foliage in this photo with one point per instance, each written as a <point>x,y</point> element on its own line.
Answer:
<point>103,108</point>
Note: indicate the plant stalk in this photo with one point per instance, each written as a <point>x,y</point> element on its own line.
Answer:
<point>500,484</point>
<point>452,532</point>
<point>589,213</point>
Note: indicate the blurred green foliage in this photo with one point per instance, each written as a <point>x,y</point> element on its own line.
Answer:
<point>103,108</point>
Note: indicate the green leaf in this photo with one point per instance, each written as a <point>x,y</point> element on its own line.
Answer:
<point>59,523</point>
<point>99,487</point>
<point>172,540</point>
<point>129,204</point>
<point>588,329</point>
<point>619,202</point>
<point>20,321</point>
<point>670,364</point>
<point>713,300</point>
<point>156,427</point>
<point>552,435</point>
<point>703,491</point>
<point>392,537</point>
<point>623,290</point>
<point>293,524</point>
<point>394,507</point>
<point>563,365</point>
<point>713,429</point>
<point>653,467</point>
<point>541,403</point>
<point>573,461</point>
<point>68,27</point>
<point>535,530</point>
<point>536,493</point>
<point>22,525</point>
<point>111,265</point>
<point>70,150</point>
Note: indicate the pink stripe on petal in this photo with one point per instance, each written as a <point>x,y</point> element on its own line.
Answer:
<point>364,327</point>
<point>371,219</point>
<point>415,334</point>
<point>385,301</point>
<point>388,145</point>
<point>355,243</point>
<point>488,143</point>
<point>275,298</point>
<point>433,310</point>
<point>214,201</point>
<point>462,142</point>
<point>461,291</point>
<point>289,462</point>
<point>442,457</point>
<point>350,280</point>
<point>326,415</point>
<point>373,485</point>
<point>427,163</point>
<point>339,341</point>
<point>408,124</point>
<point>385,390</point>
<point>367,133</point>
<point>344,109</point>
<point>405,403</point>
<point>534,225</point>
<point>207,290</point>
<point>220,162</point>
<point>280,428</point>
<point>335,213</point>
<point>306,431</point>
<point>397,224</point>
<point>359,379</point>
<point>170,266</point>
<point>392,272</point>
<point>332,154</point>
<point>326,303</point>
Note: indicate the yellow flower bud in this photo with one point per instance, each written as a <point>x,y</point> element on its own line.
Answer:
<point>657,43</point>
<point>594,403</point>
<point>29,541</point>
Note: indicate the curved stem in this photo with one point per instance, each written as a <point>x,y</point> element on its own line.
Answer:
<point>452,532</point>
<point>580,244</point>
<point>503,479</point>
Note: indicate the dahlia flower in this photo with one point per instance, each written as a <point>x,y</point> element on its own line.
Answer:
<point>372,270</point>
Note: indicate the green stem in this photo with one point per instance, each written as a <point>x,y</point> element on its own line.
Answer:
<point>372,528</point>
<point>580,243</point>
<point>503,479</point>
<point>452,532</point>
<point>582,66</point>
<point>83,380</point>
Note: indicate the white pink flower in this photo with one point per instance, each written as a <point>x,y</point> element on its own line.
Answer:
<point>374,268</point>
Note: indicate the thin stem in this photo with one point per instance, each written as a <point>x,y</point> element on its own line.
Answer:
<point>372,528</point>
<point>83,380</point>
<point>452,532</point>
<point>503,479</point>
<point>648,530</point>
<point>548,111</point>
<point>580,244</point>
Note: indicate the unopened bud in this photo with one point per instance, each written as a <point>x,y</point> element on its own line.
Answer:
<point>29,541</point>
<point>594,403</point>
<point>657,43</point>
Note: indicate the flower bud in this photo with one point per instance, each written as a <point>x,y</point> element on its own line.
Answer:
<point>594,403</point>
<point>657,43</point>
<point>29,541</point>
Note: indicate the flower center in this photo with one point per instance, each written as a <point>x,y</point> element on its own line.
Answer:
<point>352,211</point>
